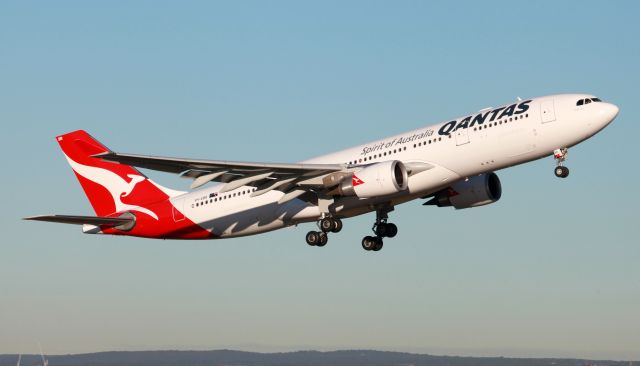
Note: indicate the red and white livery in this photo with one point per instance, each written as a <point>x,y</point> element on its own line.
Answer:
<point>450,164</point>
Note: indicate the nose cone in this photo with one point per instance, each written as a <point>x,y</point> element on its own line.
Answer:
<point>608,112</point>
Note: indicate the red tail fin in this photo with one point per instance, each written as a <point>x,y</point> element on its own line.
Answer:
<point>110,187</point>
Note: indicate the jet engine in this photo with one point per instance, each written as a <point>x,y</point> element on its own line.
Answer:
<point>476,191</point>
<point>375,180</point>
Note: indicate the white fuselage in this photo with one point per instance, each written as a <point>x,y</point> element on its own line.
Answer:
<point>509,135</point>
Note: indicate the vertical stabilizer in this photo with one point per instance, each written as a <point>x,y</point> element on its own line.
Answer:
<point>110,187</point>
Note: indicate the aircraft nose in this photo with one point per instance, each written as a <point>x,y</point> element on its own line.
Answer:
<point>608,111</point>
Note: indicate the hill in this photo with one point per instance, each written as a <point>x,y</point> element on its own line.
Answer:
<point>300,358</point>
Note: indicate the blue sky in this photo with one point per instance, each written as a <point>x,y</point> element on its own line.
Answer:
<point>550,270</point>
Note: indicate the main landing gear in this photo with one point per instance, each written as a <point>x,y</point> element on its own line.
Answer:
<point>560,155</point>
<point>382,229</point>
<point>329,224</point>
<point>326,225</point>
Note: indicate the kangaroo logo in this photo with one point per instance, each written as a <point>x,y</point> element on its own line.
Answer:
<point>355,181</point>
<point>112,182</point>
<point>135,179</point>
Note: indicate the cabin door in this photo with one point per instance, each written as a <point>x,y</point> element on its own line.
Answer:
<point>547,110</point>
<point>462,136</point>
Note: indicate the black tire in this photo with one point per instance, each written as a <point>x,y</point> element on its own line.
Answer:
<point>561,171</point>
<point>558,171</point>
<point>337,226</point>
<point>392,230</point>
<point>313,238</point>
<point>327,224</point>
<point>378,245</point>
<point>368,243</point>
<point>382,230</point>
<point>322,241</point>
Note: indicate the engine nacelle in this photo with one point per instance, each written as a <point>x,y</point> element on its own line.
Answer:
<point>476,191</point>
<point>375,180</point>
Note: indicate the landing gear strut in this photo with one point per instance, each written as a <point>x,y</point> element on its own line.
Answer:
<point>326,225</point>
<point>560,155</point>
<point>382,229</point>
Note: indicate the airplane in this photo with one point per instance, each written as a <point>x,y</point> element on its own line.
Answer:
<point>448,164</point>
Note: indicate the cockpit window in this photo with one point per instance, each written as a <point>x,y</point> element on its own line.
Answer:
<point>587,101</point>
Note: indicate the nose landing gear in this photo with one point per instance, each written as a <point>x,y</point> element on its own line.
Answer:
<point>560,155</point>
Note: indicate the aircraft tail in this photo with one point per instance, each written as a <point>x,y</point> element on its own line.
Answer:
<point>110,187</point>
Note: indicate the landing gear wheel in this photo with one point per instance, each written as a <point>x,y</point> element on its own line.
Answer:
<point>313,238</point>
<point>384,229</point>
<point>381,229</point>
<point>337,226</point>
<point>327,224</point>
<point>324,238</point>
<point>378,245</point>
<point>561,171</point>
<point>368,243</point>
<point>392,230</point>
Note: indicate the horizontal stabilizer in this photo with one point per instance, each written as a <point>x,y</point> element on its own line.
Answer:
<point>81,220</point>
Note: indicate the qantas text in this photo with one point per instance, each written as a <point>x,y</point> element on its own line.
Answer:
<point>481,118</point>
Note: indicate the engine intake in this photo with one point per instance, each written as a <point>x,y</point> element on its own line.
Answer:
<point>476,191</point>
<point>375,180</point>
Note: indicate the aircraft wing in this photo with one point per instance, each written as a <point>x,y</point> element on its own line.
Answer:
<point>295,180</point>
<point>265,176</point>
<point>181,165</point>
